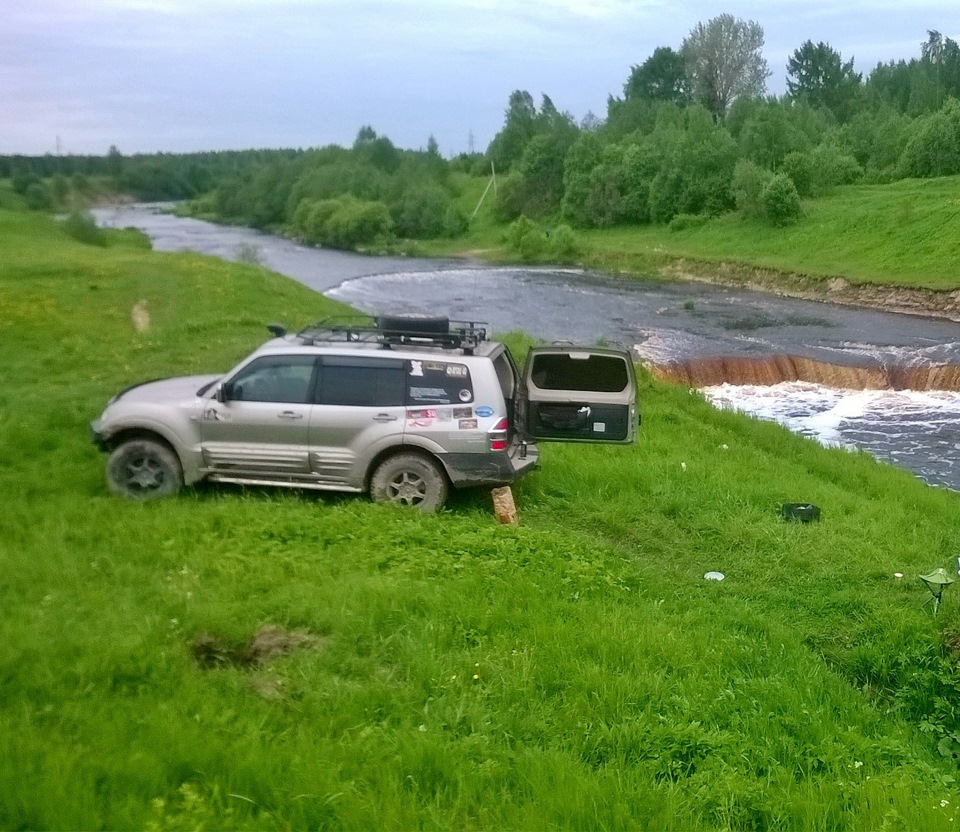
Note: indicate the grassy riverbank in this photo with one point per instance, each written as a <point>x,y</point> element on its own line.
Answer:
<point>448,673</point>
<point>905,234</point>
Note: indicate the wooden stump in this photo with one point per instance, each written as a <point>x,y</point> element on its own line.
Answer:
<point>504,506</point>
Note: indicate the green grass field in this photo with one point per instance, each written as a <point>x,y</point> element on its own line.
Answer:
<point>575,672</point>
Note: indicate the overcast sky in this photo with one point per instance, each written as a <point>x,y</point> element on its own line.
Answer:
<point>181,75</point>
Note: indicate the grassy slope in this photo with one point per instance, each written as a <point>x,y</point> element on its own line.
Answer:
<point>904,234</point>
<point>574,672</point>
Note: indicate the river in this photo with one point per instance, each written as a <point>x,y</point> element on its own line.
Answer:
<point>679,324</point>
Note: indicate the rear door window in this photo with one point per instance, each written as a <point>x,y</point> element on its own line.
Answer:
<point>582,372</point>
<point>362,382</point>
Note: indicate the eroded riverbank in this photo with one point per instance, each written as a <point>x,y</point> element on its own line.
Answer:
<point>839,290</point>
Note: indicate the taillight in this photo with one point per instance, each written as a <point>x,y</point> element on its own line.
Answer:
<point>497,435</point>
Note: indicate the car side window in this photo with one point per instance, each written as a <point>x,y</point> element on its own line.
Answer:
<point>362,382</point>
<point>275,378</point>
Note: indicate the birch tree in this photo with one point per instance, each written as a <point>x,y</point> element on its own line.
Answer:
<point>724,62</point>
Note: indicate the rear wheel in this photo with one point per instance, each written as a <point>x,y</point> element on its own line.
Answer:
<point>410,480</point>
<point>143,469</point>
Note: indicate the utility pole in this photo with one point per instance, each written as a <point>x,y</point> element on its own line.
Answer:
<point>470,142</point>
<point>493,182</point>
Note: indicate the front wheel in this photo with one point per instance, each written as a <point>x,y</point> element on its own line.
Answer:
<point>410,480</point>
<point>143,469</point>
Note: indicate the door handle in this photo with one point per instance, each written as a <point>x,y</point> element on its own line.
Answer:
<point>289,414</point>
<point>384,417</point>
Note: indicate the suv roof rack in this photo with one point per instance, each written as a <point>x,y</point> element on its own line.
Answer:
<point>389,330</point>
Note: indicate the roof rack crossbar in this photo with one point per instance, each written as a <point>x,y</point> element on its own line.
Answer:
<point>399,330</point>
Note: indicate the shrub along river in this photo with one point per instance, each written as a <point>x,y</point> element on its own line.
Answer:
<point>858,378</point>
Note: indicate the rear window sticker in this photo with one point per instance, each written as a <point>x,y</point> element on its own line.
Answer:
<point>462,412</point>
<point>468,424</point>
<point>599,427</point>
<point>457,370</point>
<point>416,368</point>
<point>437,394</point>
<point>484,410</point>
<point>465,395</point>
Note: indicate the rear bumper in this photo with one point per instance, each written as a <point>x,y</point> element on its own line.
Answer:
<point>466,470</point>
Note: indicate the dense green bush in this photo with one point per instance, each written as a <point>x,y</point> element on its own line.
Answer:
<point>832,166</point>
<point>604,205</point>
<point>564,243</point>
<point>748,182</point>
<point>341,223</point>
<point>694,176</point>
<point>818,171</point>
<point>80,183</point>
<point>682,222</point>
<point>779,200</point>
<point>584,155</point>
<point>23,179</point>
<point>60,188</point>
<point>519,229</point>
<point>534,242</point>
<point>81,226</point>
<point>508,204</point>
<point>799,167</point>
<point>527,238</point>
<point>934,149</point>
<point>532,246</point>
<point>427,211</point>
<point>358,222</point>
<point>315,228</point>
<point>38,197</point>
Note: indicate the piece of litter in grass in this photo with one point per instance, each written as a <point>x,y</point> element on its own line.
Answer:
<point>714,576</point>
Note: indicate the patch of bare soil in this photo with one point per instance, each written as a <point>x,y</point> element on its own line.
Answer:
<point>140,316</point>
<point>268,643</point>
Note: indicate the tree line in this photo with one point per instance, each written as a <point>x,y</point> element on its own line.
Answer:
<point>46,180</point>
<point>345,197</point>
<point>693,134</point>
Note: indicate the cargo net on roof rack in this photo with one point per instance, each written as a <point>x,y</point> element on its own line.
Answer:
<point>399,329</point>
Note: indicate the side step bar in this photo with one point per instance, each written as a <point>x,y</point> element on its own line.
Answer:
<point>312,485</point>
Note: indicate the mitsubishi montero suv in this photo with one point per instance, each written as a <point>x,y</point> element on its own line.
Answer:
<point>402,408</point>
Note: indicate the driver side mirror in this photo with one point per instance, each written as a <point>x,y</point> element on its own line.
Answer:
<point>224,392</point>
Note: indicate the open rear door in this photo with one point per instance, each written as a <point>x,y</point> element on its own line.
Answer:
<point>578,394</point>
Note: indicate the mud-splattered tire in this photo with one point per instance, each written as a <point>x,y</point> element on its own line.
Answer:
<point>410,480</point>
<point>143,469</point>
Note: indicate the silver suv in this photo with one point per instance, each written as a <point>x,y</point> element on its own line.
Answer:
<point>404,408</point>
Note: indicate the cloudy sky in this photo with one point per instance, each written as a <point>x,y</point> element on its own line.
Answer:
<point>180,75</point>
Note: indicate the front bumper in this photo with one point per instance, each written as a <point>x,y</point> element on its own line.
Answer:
<point>97,437</point>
